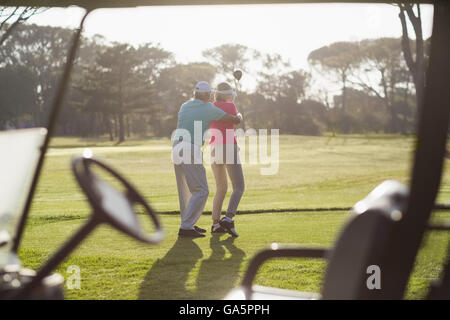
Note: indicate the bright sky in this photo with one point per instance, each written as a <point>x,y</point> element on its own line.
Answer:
<point>291,30</point>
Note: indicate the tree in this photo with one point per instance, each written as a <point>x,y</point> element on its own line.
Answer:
<point>280,101</point>
<point>290,93</point>
<point>18,94</point>
<point>154,61</point>
<point>415,60</point>
<point>111,84</point>
<point>383,58</point>
<point>42,50</point>
<point>270,86</point>
<point>121,82</point>
<point>273,66</point>
<point>297,114</point>
<point>175,86</point>
<point>365,112</point>
<point>229,57</point>
<point>293,85</point>
<point>339,58</point>
<point>11,17</point>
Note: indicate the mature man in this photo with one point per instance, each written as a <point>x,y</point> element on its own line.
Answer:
<point>194,118</point>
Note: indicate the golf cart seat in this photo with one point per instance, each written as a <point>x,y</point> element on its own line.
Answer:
<point>360,248</point>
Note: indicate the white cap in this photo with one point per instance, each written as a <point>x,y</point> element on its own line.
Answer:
<point>230,91</point>
<point>202,87</point>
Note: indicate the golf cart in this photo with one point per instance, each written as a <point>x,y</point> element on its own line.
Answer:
<point>386,230</point>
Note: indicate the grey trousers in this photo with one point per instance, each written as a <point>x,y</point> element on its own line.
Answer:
<point>192,192</point>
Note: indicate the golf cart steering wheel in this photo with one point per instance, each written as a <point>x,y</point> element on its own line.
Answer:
<point>109,206</point>
<point>112,206</point>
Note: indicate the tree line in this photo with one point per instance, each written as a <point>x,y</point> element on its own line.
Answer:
<point>121,90</point>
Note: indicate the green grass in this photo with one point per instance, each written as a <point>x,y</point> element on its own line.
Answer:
<point>314,172</point>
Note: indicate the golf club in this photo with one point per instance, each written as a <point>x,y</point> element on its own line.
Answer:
<point>237,74</point>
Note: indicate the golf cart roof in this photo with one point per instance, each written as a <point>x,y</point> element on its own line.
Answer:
<point>93,4</point>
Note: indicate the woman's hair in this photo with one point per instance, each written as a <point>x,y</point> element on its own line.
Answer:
<point>222,87</point>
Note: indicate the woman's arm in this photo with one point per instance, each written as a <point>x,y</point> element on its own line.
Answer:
<point>236,112</point>
<point>231,119</point>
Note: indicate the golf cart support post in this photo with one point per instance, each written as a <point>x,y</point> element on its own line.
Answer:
<point>54,112</point>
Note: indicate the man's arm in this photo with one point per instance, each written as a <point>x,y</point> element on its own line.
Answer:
<point>231,119</point>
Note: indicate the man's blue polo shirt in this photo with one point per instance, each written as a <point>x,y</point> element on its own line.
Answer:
<point>197,110</point>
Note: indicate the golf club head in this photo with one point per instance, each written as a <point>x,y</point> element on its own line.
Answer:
<point>237,74</point>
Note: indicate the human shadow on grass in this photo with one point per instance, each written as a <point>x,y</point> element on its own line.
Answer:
<point>168,277</point>
<point>218,274</point>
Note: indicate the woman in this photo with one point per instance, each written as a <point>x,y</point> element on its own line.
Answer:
<point>225,160</point>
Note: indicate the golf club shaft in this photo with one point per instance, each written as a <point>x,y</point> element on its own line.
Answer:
<point>237,84</point>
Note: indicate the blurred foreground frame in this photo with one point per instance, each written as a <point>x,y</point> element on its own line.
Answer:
<point>433,126</point>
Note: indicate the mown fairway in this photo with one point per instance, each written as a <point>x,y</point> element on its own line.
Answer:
<point>314,172</point>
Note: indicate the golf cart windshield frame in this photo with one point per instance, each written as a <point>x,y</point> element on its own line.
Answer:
<point>432,126</point>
